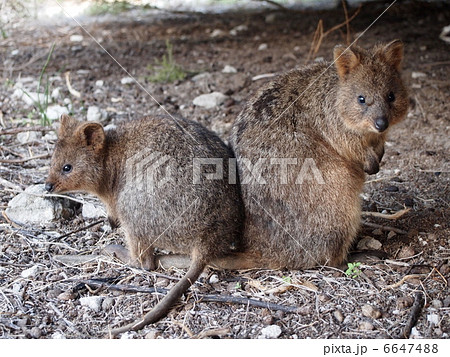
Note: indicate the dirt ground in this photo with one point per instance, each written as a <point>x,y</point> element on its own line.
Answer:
<point>378,303</point>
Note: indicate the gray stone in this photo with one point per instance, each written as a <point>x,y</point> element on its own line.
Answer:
<point>27,137</point>
<point>31,207</point>
<point>338,315</point>
<point>36,332</point>
<point>107,303</point>
<point>90,210</point>
<point>210,100</point>
<point>370,311</point>
<point>369,243</point>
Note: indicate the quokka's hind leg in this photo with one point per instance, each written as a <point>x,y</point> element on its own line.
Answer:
<point>134,259</point>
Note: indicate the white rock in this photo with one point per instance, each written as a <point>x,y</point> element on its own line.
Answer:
<point>99,83</point>
<point>30,207</point>
<point>201,76</point>
<point>445,34</point>
<point>76,38</point>
<point>127,80</point>
<point>50,136</point>
<point>127,335</point>
<point>14,52</point>
<point>54,112</point>
<point>94,113</point>
<point>28,137</point>
<point>433,319</point>
<point>416,75</point>
<point>210,100</point>
<point>262,47</point>
<point>91,211</point>
<point>214,279</point>
<point>415,333</point>
<point>29,98</point>
<point>217,33</point>
<point>229,69</point>
<point>58,336</point>
<point>92,302</point>
<point>55,93</point>
<point>272,331</point>
<point>369,243</point>
<point>270,18</point>
<point>30,272</point>
<point>238,29</point>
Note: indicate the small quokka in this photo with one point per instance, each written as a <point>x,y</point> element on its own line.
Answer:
<point>144,172</point>
<point>303,144</point>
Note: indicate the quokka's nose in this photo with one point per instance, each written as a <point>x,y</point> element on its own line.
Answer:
<point>381,124</point>
<point>49,186</point>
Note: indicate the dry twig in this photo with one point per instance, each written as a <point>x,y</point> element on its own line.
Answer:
<point>201,297</point>
<point>414,315</point>
<point>393,216</point>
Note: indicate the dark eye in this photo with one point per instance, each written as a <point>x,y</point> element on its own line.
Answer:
<point>67,168</point>
<point>391,97</point>
<point>361,99</point>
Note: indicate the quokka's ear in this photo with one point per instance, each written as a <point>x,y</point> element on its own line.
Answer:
<point>345,60</point>
<point>67,125</point>
<point>393,54</point>
<point>91,135</point>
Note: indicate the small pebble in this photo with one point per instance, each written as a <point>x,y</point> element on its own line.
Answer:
<point>406,252</point>
<point>391,189</point>
<point>267,320</point>
<point>447,301</point>
<point>272,331</point>
<point>229,69</point>
<point>36,332</point>
<point>391,234</point>
<point>404,302</point>
<point>127,80</point>
<point>76,38</point>
<point>338,315</point>
<point>416,75</point>
<point>369,243</point>
<point>365,326</point>
<point>152,334</point>
<point>107,303</point>
<point>437,304</point>
<point>92,302</point>
<point>214,279</point>
<point>262,47</point>
<point>370,311</point>
<point>433,319</point>
<point>31,272</point>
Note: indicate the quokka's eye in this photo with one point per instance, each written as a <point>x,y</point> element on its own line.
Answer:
<point>67,168</point>
<point>391,97</point>
<point>361,99</point>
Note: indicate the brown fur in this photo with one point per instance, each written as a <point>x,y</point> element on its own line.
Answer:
<point>315,113</point>
<point>201,220</point>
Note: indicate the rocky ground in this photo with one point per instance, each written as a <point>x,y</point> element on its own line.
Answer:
<point>42,296</point>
